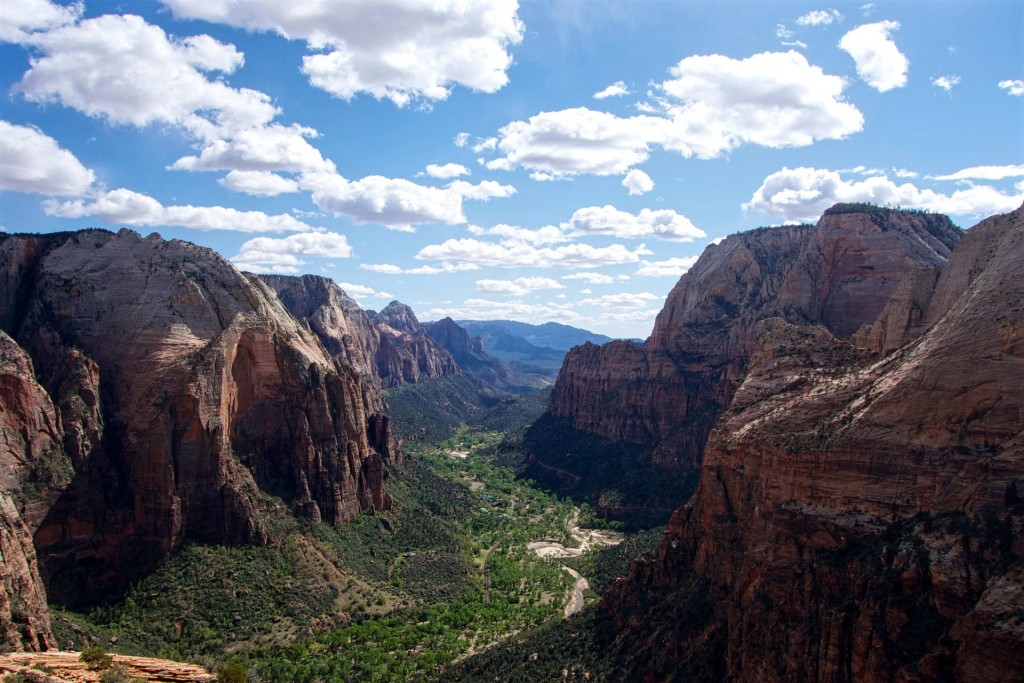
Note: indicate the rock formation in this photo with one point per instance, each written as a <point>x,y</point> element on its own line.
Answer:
<point>859,515</point>
<point>390,346</point>
<point>667,393</point>
<point>187,403</point>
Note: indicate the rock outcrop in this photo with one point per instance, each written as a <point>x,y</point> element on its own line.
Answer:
<point>859,515</point>
<point>389,347</point>
<point>667,393</point>
<point>187,400</point>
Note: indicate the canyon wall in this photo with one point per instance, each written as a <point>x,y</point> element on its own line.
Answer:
<point>187,404</point>
<point>666,394</point>
<point>859,515</point>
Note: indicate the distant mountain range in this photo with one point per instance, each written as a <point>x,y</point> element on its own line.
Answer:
<point>540,345</point>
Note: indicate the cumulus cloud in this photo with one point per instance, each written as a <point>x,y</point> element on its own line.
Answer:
<point>126,207</point>
<point>549,234</point>
<point>625,300</point>
<point>616,89</point>
<point>392,269</point>
<point>284,255</point>
<point>363,292</point>
<point>673,267</point>
<point>400,50</point>
<point>984,173</point>
<point>520,255</point>
<point>710,105</point>
<point>1012,87</point>
<point>802,194</point>
<point>820,17</point>
<point>32,161</point>
<point>590,277</point>
<point>485,309</point>
<point>879,62</point>
<point>130,72</point>
<point>263,148</point>
<point>461,139</point>
<point>482,191</point>
<point>262,183</point>
<point>947,83</point>
<point>393,202</point>
<point>607,220</point>
<point>637,182</point>
<point>446,171</point>
<point>23,17</point>
<point>521,286</point>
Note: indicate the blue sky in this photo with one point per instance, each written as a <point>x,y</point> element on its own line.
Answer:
<point>555,160</point>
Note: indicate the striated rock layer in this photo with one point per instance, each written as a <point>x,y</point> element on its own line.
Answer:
<point>667,393</point>
<point>183,394</point>
<point>859,515</point>
<point>390,347</point>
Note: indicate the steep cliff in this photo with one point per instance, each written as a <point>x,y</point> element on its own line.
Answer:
<point>859,515</point>
<point>186,394</point>
<point>389,347</point>
<point>666,394</point>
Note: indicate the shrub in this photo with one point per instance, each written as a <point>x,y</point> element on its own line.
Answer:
<point>232,672</point>
<point>95,658</point>
<point>118,675</point>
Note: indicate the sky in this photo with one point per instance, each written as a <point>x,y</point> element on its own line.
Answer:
<point>555,160</point>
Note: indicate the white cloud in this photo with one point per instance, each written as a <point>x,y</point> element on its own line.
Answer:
<point>879,62</point>
<point>820,17</point>
<point>482,191</point>
<point>283,255</point>
<point>607,220</point>
<point>637,182</point>
<point>31,161</point>
<point>131,208</point>
<point>947,83</point>
<point>446,171</point>
<point>795,43</point>
<point>549,234</point>
<point>129,72</point>
<point>521,286</point>
<point>624,300</point>
<point>673,267</point>
<point>586,291</point>
<point>592,278</point>
<point>867,9</point>
<point>1012,87</point>
<point>263,148</point>
<point>262,183</point>
<point>784,32</point>
<point>484,309</point>
<point>363,292</point>
<point>984,173</point>
<point>803,194</point>
<point>519,255</point>
<point>401,50</point>
<point>461,139</point>
<point>904,173</point>
<point>393,202</point>
<point>392,269</point>
<point>630,316</point>
<point>616,89</point>
<point>21,17</point>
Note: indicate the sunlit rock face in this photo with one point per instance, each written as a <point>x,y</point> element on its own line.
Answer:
<point>188,403</point>
<point>860,513</point>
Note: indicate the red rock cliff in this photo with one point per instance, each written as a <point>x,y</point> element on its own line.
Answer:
<point>666,394</point>
<point>859,516</point>
<point>186,394</point>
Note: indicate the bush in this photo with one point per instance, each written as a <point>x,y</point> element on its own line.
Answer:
<point>118,675</point>
<point>95,658</point>
<point>232,672</point>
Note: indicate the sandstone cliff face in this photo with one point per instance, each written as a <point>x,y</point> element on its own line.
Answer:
<point>186,392</point>
<point>859,515</point>
<point>32,464</point>
<point>666,394</point>
<point>389,348</point>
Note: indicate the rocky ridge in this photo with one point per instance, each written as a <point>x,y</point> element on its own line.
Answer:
<point>173,398</point>
<point>859,514</point>
<point>667,393</point>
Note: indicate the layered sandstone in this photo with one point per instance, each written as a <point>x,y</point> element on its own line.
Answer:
<point>859,515</point>
<point>390,347</point>
<point>667,393</point>
<point>189,400</point>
